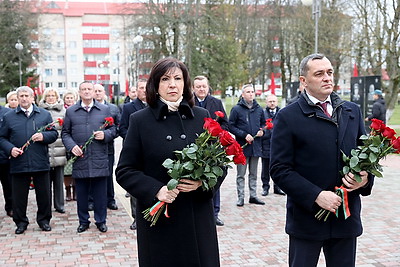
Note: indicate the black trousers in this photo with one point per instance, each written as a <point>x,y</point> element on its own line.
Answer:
<point>6,184</point>
<point>337,252</point>
<point>20,192</point>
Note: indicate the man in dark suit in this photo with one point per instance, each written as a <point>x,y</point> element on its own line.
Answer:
<point>269,113</point>
<point>133,106</point>
<point>5,171</point>
<point>100,96</point>
<point>90,170</point>
<point>306,161</point>
<point>129,108</point>
<point>18,127</point>
<point>201,89</point>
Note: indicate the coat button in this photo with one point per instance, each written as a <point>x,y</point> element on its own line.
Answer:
<point>165,117</point>
<point>184,117</point>
<point>169,138</point>
<point>183,137</point>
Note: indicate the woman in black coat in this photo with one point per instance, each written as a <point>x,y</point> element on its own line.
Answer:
<point>171,122</point>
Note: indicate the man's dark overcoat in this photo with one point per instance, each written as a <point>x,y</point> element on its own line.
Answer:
<point>306,158</point>
<point>78,127</point>
<point>188,237</point>
<point>213,104</point>
<point>127,110</point>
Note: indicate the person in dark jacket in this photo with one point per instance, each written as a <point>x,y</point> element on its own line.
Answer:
<point>100,96</point>
<point>19,126</point>
<point>306,162</point>
<point>245,122</point>
<point>378,108</point>
<point>201,90</point>
<point>5,171</point>
<point>90,170</point>
<point>171,122</point>
<point>133,106</point>
<point>269,113</point>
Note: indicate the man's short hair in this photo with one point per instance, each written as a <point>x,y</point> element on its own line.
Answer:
<point>304,62</point>
<point>247,85</point>
<point>25,89</point>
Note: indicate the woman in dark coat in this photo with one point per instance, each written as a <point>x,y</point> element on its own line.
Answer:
<point>171,122</point>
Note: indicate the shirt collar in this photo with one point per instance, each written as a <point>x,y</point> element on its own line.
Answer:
<point>316,101</point>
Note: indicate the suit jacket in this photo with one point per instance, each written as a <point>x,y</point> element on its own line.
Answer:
<point>266,138</point>
<point>306,158</point>
<point>127,110</point>
<point>213,104</point>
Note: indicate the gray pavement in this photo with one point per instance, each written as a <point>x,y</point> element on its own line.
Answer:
<point>252,236</point>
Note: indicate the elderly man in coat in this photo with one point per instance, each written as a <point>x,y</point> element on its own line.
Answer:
<point>90,170</point>
<point>306,160</point>
<point>19,126</point>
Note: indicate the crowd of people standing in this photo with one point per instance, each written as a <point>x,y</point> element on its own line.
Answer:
<point>65,145</point>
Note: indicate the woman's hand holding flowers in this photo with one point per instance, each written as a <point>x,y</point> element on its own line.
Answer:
<point>167,196</point>
<point>187,185</point>
<point>350,182</point>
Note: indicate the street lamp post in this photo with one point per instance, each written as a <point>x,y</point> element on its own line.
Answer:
<point>136,41</point>
<point>316,14</point>
<point>19,47</point>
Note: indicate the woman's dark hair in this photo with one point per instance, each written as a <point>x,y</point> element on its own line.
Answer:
<point>162,67</point>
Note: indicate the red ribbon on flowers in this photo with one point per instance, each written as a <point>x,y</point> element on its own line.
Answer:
<point>166,211</point>
<point>342,192</point>
<point>156,207</point>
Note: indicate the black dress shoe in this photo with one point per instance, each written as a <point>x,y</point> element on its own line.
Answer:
<point>20,230</point>
<point>90,207</point>
<point>133,226</point>
<point>218,222</point>
<point>102,227</point>
<point>112,206</point>
<point>10,213</point>
<point>264,193</point>
<point>45,227</point>
<point>254,200</point>
<point>60,210</point>
<point>82,228</point>
<point>240,203</point>
<point>279,192</point>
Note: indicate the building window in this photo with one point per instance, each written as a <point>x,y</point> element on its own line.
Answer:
<point>72,44</point>
<point>47,45</point>
<point>47,58</point>
<point>46,31</point>
<point>60,72</point>
<point>48,72</point>
<point>96,29</point>
<point>74,84</point>
<point>61,85</point>
<point>60,45</point>
<point>60,58</point>
<point>73,58</point>
<point>48,85</point>
<point>96,44</point>
<point>60,31</point>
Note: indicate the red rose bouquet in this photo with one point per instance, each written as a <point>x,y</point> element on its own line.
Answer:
<point>202,160</point>
<point>377,145</point>
<point>43,128</point>
<point>108,121</point>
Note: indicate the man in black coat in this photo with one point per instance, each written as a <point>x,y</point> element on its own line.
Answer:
<point>100,96</point>
<point>378,108</point>
<point>133,106</point>
<point>201,90</point>
<point>269,113</point>
<point>306,161</point>
<point>128,109</point>
<point>90,169</point>
<point>19,126</point>
<point>5,172</point>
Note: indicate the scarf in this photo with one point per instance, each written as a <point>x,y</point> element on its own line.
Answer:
<point>172,106</point>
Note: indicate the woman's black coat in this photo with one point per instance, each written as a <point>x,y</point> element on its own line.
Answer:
<point>188,237</point>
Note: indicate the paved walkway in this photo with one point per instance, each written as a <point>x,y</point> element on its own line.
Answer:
<point>252,236</point>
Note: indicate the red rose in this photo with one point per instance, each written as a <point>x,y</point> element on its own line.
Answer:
<point>389,133</point>
<point>219,114</point>
<point>225,138</point>
<point>396,144</point>
<point>239,159</point>
<point>233,149</point>
<point>268,124</point>
<point>109,121</point>
<point>60,121</point>
<point>377,125</point>
<point>212,126</point>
